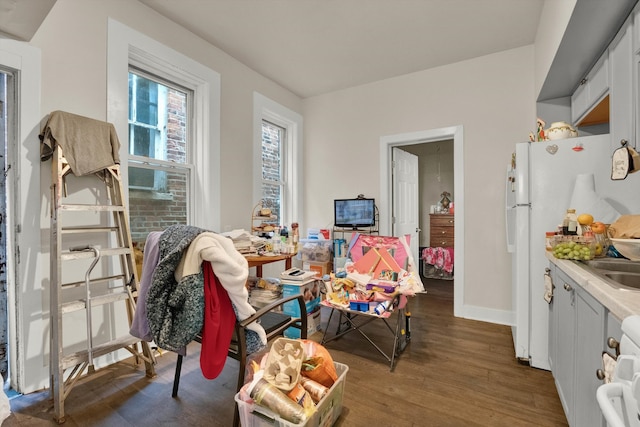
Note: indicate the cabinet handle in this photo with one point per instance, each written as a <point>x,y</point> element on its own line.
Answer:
<point>567,287</point>
<point>583,81</point>
<point>600,374</point>
<point>443,232</point>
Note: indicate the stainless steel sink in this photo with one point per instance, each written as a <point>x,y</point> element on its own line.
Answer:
<point>616,272</point>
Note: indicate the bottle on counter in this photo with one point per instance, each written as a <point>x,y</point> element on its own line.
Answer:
<point>549,240</point>
<point>570,223</point>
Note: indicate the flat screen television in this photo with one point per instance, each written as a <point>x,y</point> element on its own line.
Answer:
<point>354,213</point>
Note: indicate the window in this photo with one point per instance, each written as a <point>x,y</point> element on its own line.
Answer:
<point>166,109</point>
<point>273,184</point>
<point>278,154</point>
<point>159,168</point>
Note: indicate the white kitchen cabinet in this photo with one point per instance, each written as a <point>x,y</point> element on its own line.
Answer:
<point>590,332</point>
<point>593,88</point>
<point>565,327</point>
<point>621,99</point>
<point>578,332</point>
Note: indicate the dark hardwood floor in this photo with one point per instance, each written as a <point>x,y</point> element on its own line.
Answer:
<point>454,372</point>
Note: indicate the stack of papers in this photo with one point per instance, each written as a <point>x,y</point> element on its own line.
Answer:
<point>244,241</point>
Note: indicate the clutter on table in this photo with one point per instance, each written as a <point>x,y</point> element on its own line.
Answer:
<point>379,270</point>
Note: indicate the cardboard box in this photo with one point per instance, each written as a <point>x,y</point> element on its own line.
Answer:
<point>313,325</point>
<point>320,268</point>
<point>310,288</point>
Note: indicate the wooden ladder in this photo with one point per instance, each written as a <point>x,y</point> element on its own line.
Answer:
<point>74,246</point>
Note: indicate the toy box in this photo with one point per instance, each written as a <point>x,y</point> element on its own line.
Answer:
<point>327,410</point>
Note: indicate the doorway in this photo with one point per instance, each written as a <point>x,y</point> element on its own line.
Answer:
<point>387,143</point>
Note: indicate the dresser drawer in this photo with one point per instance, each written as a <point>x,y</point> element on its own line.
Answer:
<point>441,230</point>
<point>440,241</point>
<point>441,220</point>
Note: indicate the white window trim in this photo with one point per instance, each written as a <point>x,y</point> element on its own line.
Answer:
<point>27,277</point>
<point>127,46</point>
<point>267,109</point>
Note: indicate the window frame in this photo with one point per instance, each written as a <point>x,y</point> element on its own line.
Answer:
<point>128,48</point>
<point>271,111</point>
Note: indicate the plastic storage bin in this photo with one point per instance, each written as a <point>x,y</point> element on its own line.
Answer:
<point>327,410</point>
<point>315,250</point>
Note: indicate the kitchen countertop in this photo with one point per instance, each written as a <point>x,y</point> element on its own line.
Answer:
<point>620,302</point>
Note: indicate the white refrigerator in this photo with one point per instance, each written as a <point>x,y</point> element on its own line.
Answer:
<point>540,183</point>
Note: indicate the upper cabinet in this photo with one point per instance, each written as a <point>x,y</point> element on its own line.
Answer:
<point>621,59</point>
<point>587,99</point>
<point>608,94</point>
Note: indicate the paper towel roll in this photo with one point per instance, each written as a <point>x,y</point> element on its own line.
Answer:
<point>585,200</point>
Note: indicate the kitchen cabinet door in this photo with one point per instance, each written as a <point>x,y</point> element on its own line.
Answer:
<point>621,58</point>
<point>591,91</point>
<point>590,323</point>
<point>564,310</point>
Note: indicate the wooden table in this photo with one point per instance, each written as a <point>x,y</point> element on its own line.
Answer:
<point>258,261</point>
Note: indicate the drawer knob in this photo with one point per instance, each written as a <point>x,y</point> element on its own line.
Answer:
<point>567,287</point>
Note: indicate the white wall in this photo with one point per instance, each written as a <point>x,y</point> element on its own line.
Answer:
<point>73,43</point>
<point>492,97</point>
<point>73,39</point>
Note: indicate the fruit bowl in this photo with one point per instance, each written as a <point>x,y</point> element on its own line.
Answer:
<point>576,248</point>
<point>629,248</point>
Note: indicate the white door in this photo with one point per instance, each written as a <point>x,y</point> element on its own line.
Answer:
<point>406,211</point>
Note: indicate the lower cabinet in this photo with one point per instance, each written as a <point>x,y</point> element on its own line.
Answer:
<point>577,337</point>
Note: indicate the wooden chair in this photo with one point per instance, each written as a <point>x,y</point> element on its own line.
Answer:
<point>274,324</point>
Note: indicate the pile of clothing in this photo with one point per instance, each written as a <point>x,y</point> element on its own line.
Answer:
<point>193,282</point>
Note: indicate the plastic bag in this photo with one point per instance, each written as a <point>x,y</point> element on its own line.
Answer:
<point>319,364</point>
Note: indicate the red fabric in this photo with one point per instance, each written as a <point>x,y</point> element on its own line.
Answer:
<point>219,322</point>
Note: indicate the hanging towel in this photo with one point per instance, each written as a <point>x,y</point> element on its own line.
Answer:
<point>88,145</point>
<point>548,288</point>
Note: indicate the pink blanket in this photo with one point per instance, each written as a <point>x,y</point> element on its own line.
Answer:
<point>439,257</point>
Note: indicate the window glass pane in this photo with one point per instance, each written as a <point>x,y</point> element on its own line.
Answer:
<point>272,162</point>
<point>271,197</point>
<point>158,210</point>
<point>271,152</point>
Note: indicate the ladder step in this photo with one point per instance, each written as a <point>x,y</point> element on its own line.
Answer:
<point>81,356</point>
<point>72,255</point>
<point>92,208</point>
<point>96,281</point>
<point>70,307</point>
<point>89,229</point>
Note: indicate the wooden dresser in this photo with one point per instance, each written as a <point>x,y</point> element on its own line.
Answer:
<point>441,230</point>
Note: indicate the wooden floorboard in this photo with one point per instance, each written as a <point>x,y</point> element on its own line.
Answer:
<point>454,372</point>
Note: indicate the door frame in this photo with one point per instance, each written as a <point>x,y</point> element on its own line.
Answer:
<point>386,202</point>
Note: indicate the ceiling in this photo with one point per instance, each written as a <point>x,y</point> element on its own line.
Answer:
<point>313,47</point>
